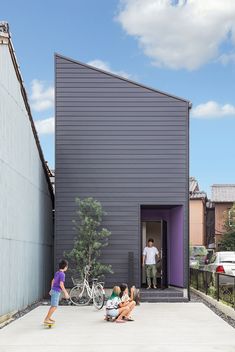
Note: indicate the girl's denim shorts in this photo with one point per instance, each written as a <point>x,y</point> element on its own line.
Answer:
<point>112,312</point>
<point>55,297</point>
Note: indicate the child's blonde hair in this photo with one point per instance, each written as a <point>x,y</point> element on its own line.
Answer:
<point>116,292</point>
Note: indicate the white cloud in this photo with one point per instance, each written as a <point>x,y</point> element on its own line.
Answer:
<point>212,109</point>
<point>41,98</point>
<point>227,58</point>
<point>179,34</point>
<point>45,126</point>
<point>102,65</point>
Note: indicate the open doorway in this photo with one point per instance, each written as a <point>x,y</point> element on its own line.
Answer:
<point>172,217</point>
<point>156,230</point>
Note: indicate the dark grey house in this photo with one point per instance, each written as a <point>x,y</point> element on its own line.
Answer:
<point>127,145</point>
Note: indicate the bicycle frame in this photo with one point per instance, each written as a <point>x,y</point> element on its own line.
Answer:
<point>87,292</point>
<point>90,290</point>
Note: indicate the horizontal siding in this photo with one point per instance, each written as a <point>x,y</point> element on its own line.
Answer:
<point>121,143</point>
<point>125,109</point>
<point>129,100</point>
<point>121,103</point>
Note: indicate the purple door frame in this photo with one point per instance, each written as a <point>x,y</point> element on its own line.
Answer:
<point>174,216</point>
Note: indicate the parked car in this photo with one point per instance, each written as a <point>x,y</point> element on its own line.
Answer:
<point>193,263</point>
<point>223,263</point>
<point>199,254</point>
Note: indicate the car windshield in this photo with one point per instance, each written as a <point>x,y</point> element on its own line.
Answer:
<point>227,257</point>
<point>199,251</point>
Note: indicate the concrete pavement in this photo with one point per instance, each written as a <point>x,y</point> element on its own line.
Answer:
<point>165,327</point>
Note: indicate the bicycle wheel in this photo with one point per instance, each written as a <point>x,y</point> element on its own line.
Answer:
<point>98,296</point>
<point>79,295</point>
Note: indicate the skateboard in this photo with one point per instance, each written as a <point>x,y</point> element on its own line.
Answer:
<point>48,325</point>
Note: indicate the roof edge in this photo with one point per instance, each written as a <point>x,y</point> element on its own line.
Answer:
<point>222,201</point>
<point>223,185</point>
<point>123,78</point>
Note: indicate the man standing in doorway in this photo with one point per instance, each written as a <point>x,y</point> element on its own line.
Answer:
<point>149,261</point>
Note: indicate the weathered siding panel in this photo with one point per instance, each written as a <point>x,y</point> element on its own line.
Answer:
<point>123,144</point>
<point>26,226</point>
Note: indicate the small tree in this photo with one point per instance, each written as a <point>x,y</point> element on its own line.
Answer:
<point>227,242</point>
<point>90,239</point>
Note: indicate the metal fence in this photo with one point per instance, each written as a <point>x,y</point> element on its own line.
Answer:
<point>217,285</point>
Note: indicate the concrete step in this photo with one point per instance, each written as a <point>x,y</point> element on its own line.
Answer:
<point>166,295</point>
<point>161,294</point>
<point>163,299</point>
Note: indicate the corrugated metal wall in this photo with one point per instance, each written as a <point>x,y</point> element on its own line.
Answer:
<point>26,225</point>
<point>123,144</point>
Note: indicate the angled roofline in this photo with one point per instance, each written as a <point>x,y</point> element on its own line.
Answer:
<point>27,106</point>
<point>223,185</point>
<point>123,78</point>
<point>198,195</point>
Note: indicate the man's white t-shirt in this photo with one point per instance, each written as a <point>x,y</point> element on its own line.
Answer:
<point>150,255</point>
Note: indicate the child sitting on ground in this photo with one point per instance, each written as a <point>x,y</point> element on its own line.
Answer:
<point>115,312</point>
<point>127,300</point>
<point>124,295</point>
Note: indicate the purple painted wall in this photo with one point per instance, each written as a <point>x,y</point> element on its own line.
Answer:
<point>175,220</point>
<point>176,246</point>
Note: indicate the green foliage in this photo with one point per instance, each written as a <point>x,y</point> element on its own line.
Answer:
<point>212,291</point>
<point>229,223</point>
<point>90,239</point>
<point>227,242</point>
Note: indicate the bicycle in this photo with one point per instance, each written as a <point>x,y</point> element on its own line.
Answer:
<point>82,293</point>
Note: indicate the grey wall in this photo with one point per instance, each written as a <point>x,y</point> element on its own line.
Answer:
<point>123,144</point>
<point>26,226</point>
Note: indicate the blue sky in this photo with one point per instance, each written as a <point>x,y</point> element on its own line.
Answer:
<point>169,45</point>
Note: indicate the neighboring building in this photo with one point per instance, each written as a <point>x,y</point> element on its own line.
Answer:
<point>197,214</point>
<point>26,195</point>
<point>126,145</point>
<point>52,178</point>
<point>223,197</point>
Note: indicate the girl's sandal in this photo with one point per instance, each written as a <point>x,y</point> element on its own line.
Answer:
<point>128,319</point>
